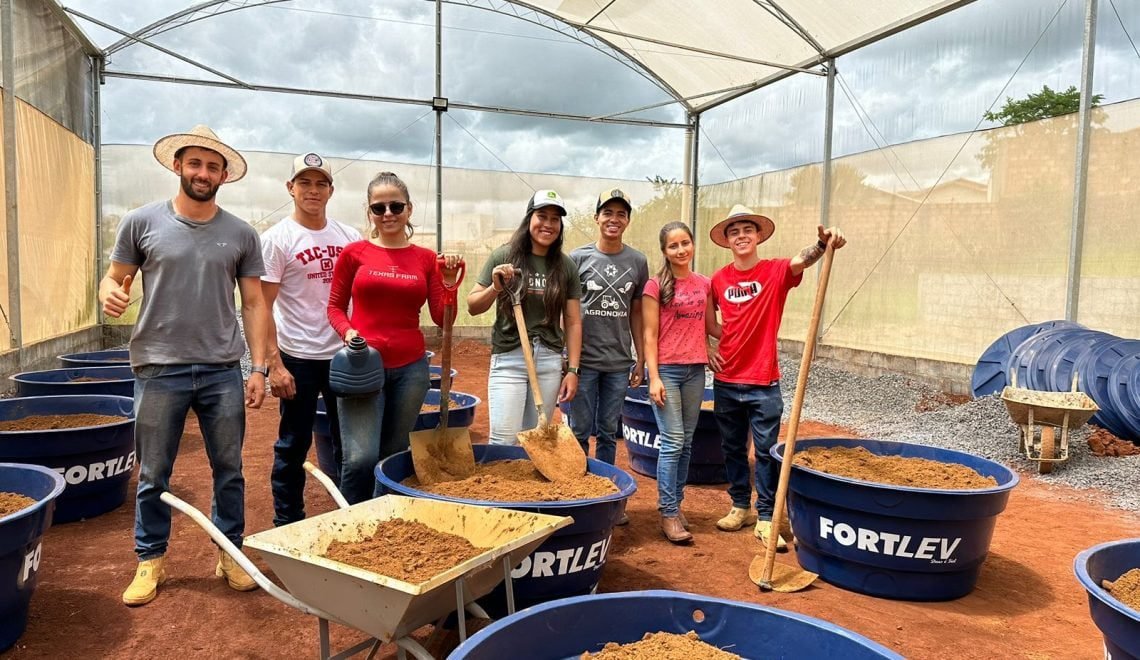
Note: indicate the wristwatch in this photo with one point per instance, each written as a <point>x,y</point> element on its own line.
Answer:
<point>573,370</point>
<point>260,369</point>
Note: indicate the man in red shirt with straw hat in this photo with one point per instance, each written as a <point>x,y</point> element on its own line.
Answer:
<point>750,294</point>
<point>185,347</point>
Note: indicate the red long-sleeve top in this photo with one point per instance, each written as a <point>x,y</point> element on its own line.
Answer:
<point>388,288</point>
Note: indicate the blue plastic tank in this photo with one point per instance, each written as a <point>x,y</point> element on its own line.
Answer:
<point>21,549</point>
<point>437,376</point>
<point>1119,624</point>
<point>570,562</point>
<point>116,381</point>
<point>639,428</point>
<point>894,541</point>
<point>565,629</point>
<point>115,357</point>
<point>95,461</point>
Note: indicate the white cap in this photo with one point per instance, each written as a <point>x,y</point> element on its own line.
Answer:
<point>545,198</point>
<point>310,162</point>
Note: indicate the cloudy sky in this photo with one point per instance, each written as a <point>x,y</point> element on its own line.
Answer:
<point>936,79</point>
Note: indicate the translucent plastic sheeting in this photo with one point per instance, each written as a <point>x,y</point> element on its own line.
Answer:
<point>56,188</point>
<point>53,73</point>
<point>5,332</point>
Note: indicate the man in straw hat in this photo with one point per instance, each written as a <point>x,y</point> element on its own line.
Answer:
<point>186,348</point>
<point>299,254</point>
<point>750,294</point>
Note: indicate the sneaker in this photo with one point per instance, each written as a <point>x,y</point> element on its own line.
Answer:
<point>148,576</point>
<point>672,529</point>
<point>735,519</point>
<point>235,575</point>
<point>764,533</point>
<point>624,520</point>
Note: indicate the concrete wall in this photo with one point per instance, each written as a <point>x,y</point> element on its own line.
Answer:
<point>43,355</point>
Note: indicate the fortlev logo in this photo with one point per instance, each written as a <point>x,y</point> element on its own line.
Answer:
<point>742,292</point>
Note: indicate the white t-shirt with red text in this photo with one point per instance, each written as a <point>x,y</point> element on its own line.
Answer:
<point>301,260</point>
<point>751,304</point>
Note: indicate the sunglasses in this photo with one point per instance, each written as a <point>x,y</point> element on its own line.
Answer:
<point>380,208</point>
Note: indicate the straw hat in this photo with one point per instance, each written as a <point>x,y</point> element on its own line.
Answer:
<point>200,136</point>
<point>740,212</point>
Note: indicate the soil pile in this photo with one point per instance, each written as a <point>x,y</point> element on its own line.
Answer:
<point>49,422</point>
<point>1104,443</point>
<point>434,407</point>
<point>662,646</point>
<point>858,463</point>
<point>406,550</point>
<point>708,405</point>
<point>1126,588</point>
<point>12,502</point>
<point>517,481</point>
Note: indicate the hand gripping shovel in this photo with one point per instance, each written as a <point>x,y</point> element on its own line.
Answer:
<point>764,570</point>
<point>443,454</point>
<point>552,448</point>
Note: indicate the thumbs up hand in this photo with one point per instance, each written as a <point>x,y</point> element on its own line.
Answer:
<point>118,298</point>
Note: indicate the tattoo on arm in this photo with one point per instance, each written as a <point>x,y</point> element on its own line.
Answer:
<point>811,254</point>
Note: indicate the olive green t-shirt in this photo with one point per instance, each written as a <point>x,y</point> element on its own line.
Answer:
<point>504,335</point>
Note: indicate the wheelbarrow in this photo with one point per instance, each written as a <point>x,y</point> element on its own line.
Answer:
<point>385,608</point>
<point>1039,414</point>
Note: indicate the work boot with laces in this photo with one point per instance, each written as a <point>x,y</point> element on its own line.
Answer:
<point>764,532</point>
<point>735,519</point>
<point>235,575</point>
<point>149,575</point>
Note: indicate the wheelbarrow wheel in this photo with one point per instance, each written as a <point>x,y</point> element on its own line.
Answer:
<point>1048,449</point>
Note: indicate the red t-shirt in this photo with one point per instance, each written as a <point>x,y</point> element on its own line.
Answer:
<point>388,288</point>
<point>751,304</point>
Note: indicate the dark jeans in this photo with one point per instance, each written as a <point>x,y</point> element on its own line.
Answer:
<point>295,436</point>
<point>164,394</point>
<point>740,409</point>
<point>597,407</point>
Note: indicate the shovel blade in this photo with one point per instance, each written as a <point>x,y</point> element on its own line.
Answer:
<point>784,579</point>
<point>442,455</point>
<point>555,452</point>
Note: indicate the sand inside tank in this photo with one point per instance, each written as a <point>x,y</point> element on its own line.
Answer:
<point>12,502</point>
<point>406,550</point>
<point>662,646</point>
<point>1126,588</point>
<point>858,463</point>
<point>50,422</point>
<point>517,481</point>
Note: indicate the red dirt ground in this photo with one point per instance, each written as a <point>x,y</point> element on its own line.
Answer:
<point>1027,603</point>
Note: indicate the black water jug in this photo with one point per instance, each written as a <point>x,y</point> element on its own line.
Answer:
<point>356,370</point>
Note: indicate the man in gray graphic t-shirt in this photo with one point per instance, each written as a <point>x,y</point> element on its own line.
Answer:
<point>613,276</point>
<point>186,348</point>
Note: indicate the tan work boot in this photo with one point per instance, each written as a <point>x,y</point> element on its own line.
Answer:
<point>235,575</point>
<point>735,519</point>
<point>148,575</point>
<point>764,533</point>
<point>684,523</point>
<point>672,529</point>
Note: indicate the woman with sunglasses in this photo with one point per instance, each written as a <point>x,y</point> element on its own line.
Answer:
<point>387,280</point>
<point>551,291</point>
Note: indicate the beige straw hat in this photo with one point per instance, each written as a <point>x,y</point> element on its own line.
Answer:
<point>200,136</point>
<point>740,212</point>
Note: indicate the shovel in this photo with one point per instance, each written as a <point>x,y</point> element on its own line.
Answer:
<point>552,448</point>
<point>764,570</point>
<point>443,454</point>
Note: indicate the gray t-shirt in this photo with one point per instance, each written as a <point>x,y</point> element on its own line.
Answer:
<point>189,274</point>
<point>610,284</point>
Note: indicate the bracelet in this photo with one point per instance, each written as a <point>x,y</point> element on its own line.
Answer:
<point>573,370</point>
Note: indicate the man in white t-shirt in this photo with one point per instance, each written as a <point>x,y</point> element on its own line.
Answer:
<point>299,254</point>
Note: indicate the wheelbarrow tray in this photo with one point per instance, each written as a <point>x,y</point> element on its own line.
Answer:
<point>1048,408</point>
<point>384,607</point>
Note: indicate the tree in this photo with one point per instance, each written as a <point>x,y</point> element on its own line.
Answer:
<point>1047,118</point>
<point>1042,105</point>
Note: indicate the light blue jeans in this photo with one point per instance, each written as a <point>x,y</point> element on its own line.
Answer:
<point>676,423</point>
<point>508,391</point>
<point>163,396</point>
<point>375,427</point>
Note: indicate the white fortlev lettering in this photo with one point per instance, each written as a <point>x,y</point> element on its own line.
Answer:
<point>563,562</point>
<point>639,437</point>
<point>77,474</point>
<point>936,550</point>
<point>31,564</point>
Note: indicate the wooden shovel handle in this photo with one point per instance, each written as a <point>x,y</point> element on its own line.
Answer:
<point>528,355</point>
<point>794,418</point>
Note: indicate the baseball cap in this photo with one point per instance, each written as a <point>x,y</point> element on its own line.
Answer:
<point>543,198</point>
<point>610,195</point>
<point>310,162</point>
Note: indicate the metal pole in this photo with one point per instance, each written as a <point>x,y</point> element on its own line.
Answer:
<point>97,64</point>
<point>1080,181</point>
<point>825,178</point>
<point>11,207</point>
<point>695,176</point>
<point>687,176</point>
<point>439,127</point>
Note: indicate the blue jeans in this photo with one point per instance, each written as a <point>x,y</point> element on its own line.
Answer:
<point>295,436</point>
<point>509,397</point>
<point>163,396</point>
<point>739,409</point>
<point>676,423</point>
<point>597,408</point>
<point>373,428</point>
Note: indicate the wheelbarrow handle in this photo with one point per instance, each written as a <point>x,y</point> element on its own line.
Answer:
<point>324,480</point>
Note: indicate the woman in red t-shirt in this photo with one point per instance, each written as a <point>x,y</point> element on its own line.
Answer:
<point>677,311</point>
<point>387,280</point>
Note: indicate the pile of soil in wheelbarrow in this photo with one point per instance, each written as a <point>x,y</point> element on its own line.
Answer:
<point>517,481</point>
<point>12,502</point>
<point>406,550</point>
<point>48,422</point>
<point>1126,588</point>
<point>662,646</point>
<point>858,463</point>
